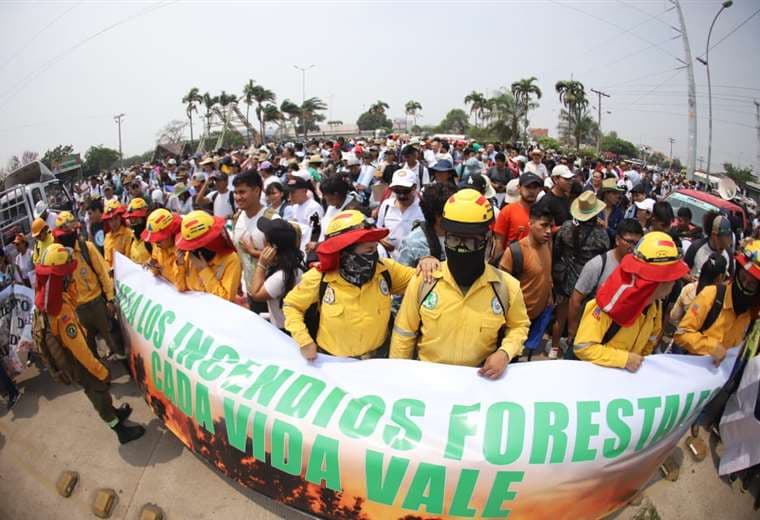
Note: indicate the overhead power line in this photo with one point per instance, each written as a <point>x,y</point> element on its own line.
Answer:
<point>732,31</point>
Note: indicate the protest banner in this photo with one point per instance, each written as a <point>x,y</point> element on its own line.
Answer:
<point>16,306</point>
<point>341,438</point>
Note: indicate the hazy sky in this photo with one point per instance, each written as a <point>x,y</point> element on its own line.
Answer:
<point>66,68</point>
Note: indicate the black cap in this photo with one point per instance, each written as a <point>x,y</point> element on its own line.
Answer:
<point>408,149</point>
<point>296,183</point>
<point>530,178</point>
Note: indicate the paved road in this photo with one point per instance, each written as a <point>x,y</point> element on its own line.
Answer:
<point>54,428</point>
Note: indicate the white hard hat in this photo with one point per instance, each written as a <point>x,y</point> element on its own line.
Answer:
<point>40,207</point>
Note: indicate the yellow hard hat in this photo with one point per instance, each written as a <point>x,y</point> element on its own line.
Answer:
<point>56,259</point>
<point>656,258</point>
<point>37,226</point>
<point>65,218</point>
<point>113,207</point>
<point>748,256</point>
<point>467,212</point>
<point>137,208</point>
<point>198,230</point>
<point>161,224</point>
<point>344,221</point>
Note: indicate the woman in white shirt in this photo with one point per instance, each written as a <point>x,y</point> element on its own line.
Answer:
<point>279,267</point>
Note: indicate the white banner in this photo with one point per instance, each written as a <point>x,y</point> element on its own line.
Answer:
<point>394,437</point>
<point>16,306</point>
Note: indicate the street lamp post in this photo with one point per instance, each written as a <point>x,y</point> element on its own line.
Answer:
<point>303,90</point>
<point>706,62</point>
<point>117,118</point>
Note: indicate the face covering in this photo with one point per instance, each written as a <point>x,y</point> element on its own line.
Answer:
<point>356,268</point>
<point>206,254</point>
<point>741,296</point>
<point>67,240</point>
<point>466,267</point>
<point>138,229</point>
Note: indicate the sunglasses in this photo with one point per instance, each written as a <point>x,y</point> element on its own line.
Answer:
<point>402,191</point>
<point>464,244</point>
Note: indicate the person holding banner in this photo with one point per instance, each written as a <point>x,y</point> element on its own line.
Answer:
<point>471,313</point>
<point>160,231</point>
<point>119,237</point>
<point>621,325</point>
<point>351,285</point>
<point>139,252</point>
<point>95,294</point>
<point>60,338</point>
<point>206,259</point>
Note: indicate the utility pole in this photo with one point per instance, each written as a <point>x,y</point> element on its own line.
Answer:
<point>118,118</point>
<point>757,125</point>
<point>599,95</point>
<point>303,91</point>
<point>701,159</point>
<point>671,141</point>
<point>691,156</point>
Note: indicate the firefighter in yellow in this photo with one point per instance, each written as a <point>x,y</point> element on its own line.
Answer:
<point>73,361</point>
<point>95,295</point>
<point>459,318</point>
<point>621,325</point>
<point>351,288</point>
<point>119,236</point>
<point>206,259</point>
<point>137,211</point>
<point>737,306</point>
<point>160,231</point>
<point>42,239</point>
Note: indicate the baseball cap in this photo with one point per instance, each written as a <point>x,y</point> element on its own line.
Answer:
<point>297,183</point>
<point>721,226</point>
<point>403,178</point>
<point>530,178</point>
<point>562,171</point>
<point>646,204</point>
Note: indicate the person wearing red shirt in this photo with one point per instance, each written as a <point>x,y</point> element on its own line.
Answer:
<point>513,222</point>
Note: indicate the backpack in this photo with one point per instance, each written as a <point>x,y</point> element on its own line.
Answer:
<point>312,314</point>
<point>85,252</point>
<point>691,253</point>
<point>231,198</point>
<point>517,259</point>
<point>55,356</point>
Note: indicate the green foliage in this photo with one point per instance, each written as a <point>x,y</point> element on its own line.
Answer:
<point>583,130</point>
<point>738,174</point>
<point>548,143</point>
<point>478,105</point>
<point>613,144</point>
<point>139,159</point>
<point>373,121</point>
<point>99,158</point>
<point>56,155</point>
<point>455,122</point>
<point>586,153</point>
<point>378,108</point>
<point>573,96</point>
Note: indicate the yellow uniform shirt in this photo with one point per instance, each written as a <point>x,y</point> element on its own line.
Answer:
<point>352,320</point>
<point>639,338</point>
<point>91,281</point>
<point>40,246</point>
<point>117,241</point>
<point>221,277</point>
<point>66,327</point>
<point>728,330</point>
<point>460,329</point>
<point>138,253</point>
<point>167,260</point>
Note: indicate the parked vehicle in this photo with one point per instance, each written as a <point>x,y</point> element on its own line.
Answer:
<point>700,203</point>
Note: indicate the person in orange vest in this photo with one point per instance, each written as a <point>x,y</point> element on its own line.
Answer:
<point>119,237</point>
<point>137,211</point>
<point>207,260</point>
<point>55,315</point>
<point>160,232</point>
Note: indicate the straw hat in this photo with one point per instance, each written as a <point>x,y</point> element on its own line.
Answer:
<point>586,206</point>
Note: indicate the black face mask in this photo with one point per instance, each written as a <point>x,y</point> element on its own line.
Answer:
<point>206,254</point>
<point>67,240</point>
<point>138,229</point>
<point>742,298</point>
<point>358,269</point>
<point>466,267</point>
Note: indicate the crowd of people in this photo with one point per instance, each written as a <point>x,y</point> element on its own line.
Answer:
<point>368,248</point>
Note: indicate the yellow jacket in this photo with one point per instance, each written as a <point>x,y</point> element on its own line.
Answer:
<point>221,277</point>
<point>167,260</point>
<point>89,282</point>
<point>460,329</point>
<point>138,253</point>
<point>40,246</point>
<point>352,320</point>
<point>117,241</point>
<point>639,338</point>
<point>728,330</point>
<point>66,327</point>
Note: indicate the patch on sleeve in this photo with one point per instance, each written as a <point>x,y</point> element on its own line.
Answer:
<point>71,331</point>
<point>695,309</point>
<point>597,313</point>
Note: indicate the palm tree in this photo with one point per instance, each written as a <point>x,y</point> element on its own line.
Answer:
<point>310,115</point>
<point>478,104</point>
<point>248,100</point>
<point>292,111</point>
<point>586,127</point>
<point>261,95</point>
<point>506,112</point>
<point>378,108</point>
<point>411,109</point>
<point>191,99</point>
<point>270,114</point>
<point>573,96</point>
<point>209,101</point>
<point>523,90</point>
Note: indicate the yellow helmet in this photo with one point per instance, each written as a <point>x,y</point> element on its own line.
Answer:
<point>656,258</point>
<point>56,259</point>
<point>37,226</point>
<point>65,218</point>
<point>137,208</point>
<point>748,256</point>
<point>467,212</point>
<point>344,221</point>
<point>161,224</point>
<point>198,230</point>
<point>113,207</point>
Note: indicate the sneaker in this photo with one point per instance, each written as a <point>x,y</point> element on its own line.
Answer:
<point>123,412</point>
<point>128,433</point>
<point>553,352</point>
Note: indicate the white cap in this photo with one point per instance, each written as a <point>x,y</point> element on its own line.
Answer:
<point>404,178</point>
<point>40,207</point>
<point>172,161</point>
<point>646,204</point>
<point>304,174</point>
<point>157,195</point>
<point>513,191</point>
<point>562,171</point>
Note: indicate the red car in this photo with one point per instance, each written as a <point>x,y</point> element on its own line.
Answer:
<point>700,203</point>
